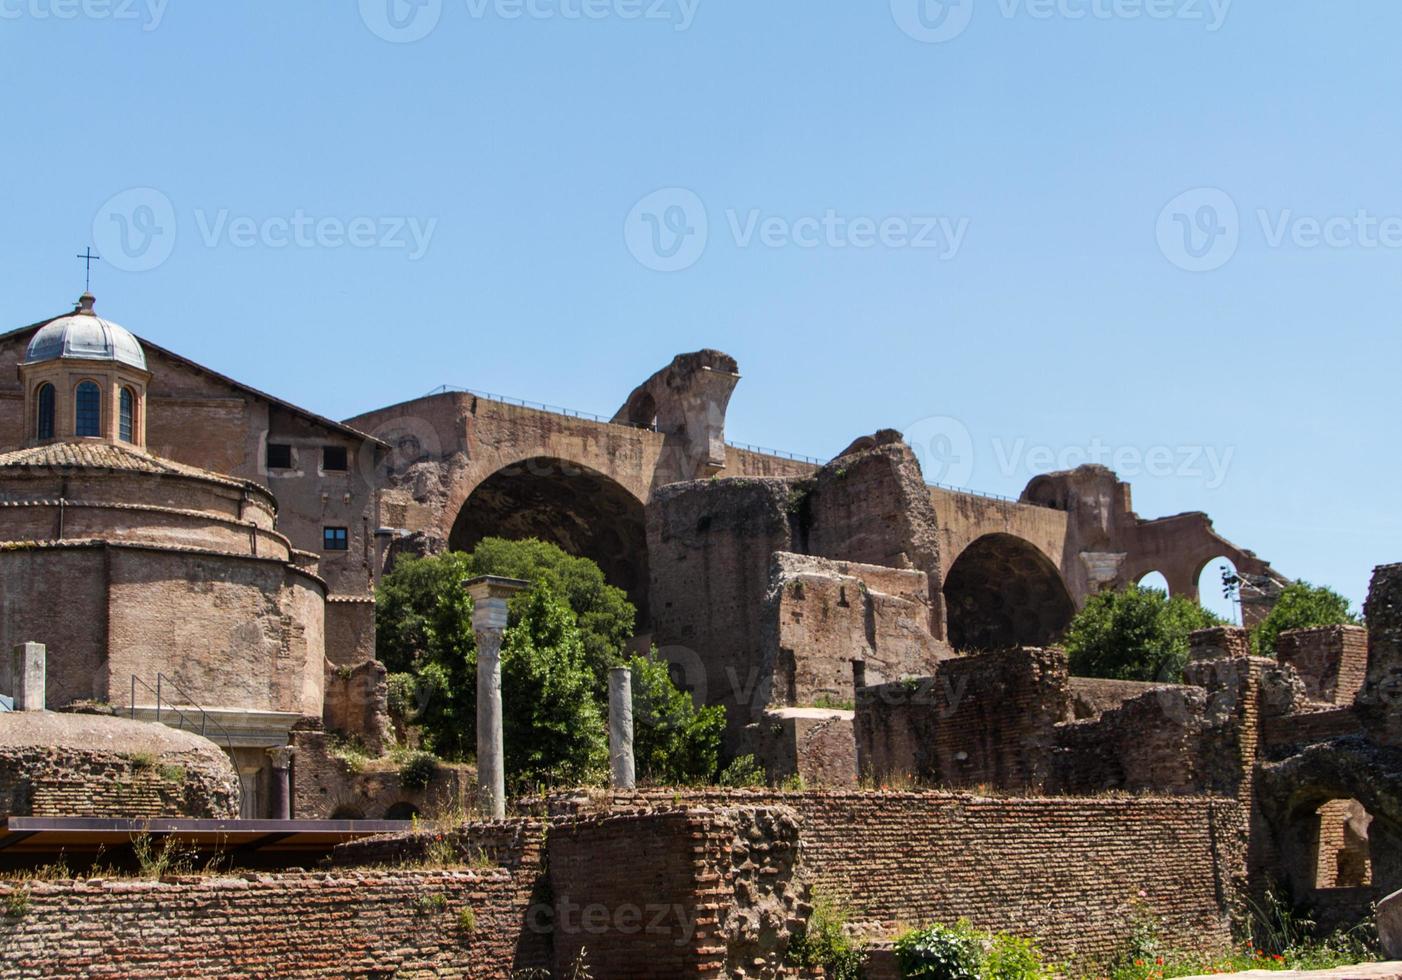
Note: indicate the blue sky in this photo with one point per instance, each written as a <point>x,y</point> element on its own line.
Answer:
<point>1026,230</point>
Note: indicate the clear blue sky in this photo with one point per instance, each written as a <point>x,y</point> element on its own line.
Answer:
<point>1036,145</point>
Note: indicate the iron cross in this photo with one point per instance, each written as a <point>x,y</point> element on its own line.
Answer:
<point>88,259</point>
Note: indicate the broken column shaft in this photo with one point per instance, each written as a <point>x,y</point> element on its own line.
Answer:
<point>621,727</point>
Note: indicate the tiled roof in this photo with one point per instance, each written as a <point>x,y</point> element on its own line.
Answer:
<point>106,456</point>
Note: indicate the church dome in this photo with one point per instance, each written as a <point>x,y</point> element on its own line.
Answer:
<point>85,335</point>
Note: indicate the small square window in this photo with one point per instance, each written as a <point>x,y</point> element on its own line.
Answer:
<point>334,459</point>
<point>334,539</point>
<point>279,456</point>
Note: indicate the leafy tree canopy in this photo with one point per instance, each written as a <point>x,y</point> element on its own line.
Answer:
<point>564,634</point>
<point>1300,606</point>
<point>1136,635</point>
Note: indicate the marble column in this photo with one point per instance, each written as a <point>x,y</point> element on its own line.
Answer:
<point>489,616</point>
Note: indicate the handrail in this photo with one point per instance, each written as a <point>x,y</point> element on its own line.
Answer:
<point>573,413</point>
<point>747,447</point>
<point>780,453</point>
<point>206,719</point>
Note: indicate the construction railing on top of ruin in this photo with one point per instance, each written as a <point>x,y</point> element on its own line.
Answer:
<point>745,446</point>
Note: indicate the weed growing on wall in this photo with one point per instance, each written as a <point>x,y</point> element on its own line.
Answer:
<point>824,942</point>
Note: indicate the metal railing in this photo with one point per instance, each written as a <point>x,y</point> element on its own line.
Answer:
<point>206,720</point>
<point>746,447</point>
<point>573,413</point>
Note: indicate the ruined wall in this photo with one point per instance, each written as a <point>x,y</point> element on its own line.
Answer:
<point>1331,660</point>
<point>62,765</point>
<point>350,630</point>
<point>392,922</point>
<point>982,720</point>
<point>814,744</point>
<point>1380,701</point>
<point>356,704</point>
<point>820,615</point>
<point>1072,872</point>
<point>873,507</point>
<point>710,546</point>
<point>1150,743</point>
<point>720,901</point>
<point>326,786</point>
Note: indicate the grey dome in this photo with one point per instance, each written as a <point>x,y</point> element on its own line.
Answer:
<point>85,335</point>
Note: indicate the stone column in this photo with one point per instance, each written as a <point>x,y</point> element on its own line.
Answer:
<point>27,676</point>
<point>280,798</point>
<point>489,615</point>
<point>621,728</point>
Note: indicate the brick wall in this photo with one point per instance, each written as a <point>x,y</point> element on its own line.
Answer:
<point>324,785</point>
<point>343,924</point>
<point>1331,660</point>
<point>983,720</point>
<point>79,765</point>
<point>1070,871</point>
<point>356,704</point>
<point>683,893</point>
<point>821,614</point>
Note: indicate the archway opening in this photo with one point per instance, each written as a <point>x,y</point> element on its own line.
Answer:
<point>578,509</point>
<point>1219,589</point>
<point>347,812</point>
<point>402,810</point>
<point>1001,593</point>
<point>1156,581</point>
<point>1343,857</point>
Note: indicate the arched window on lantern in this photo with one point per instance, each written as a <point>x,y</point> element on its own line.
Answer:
<point>126,415</point>
<point>88,410</point>
<point>44,405</point>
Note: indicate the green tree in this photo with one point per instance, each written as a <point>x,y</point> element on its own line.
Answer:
<point>1300,606</point>
<point>1136,635</point>
<point>554,667</point>
<point>674,742</point>
<point>605,616</point>
<point>552,724</point>
<point>423,635</point>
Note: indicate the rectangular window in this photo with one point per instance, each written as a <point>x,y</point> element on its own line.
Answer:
<point>334,539</point>
<point>334,459</point>
<point>279,456</point>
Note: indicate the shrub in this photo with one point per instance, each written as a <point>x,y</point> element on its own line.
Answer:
<point>417,770</point>
<point>940,952</point>
<point>961,952</point>
<point>742,771</point>
<point>825,943</point>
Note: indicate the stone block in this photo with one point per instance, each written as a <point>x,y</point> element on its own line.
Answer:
<point>1390,925</point>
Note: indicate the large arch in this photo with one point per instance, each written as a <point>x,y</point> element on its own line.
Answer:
<point>1002,592</point>
<point>577,508</point>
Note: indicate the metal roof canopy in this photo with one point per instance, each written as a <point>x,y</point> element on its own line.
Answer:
<point>21,836</point>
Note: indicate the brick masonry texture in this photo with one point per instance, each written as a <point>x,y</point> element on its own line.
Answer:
<point>1069,871</point>
<point>345,924</point>
<point>1331,660</point>
<point>56,765</point>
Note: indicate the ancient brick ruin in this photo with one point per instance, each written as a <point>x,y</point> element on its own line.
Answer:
<point>886,645</point>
